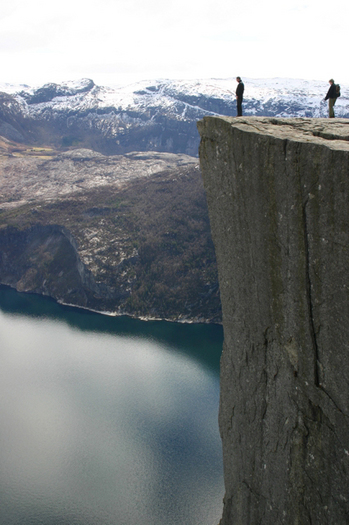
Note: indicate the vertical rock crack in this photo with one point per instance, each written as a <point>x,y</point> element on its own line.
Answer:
<point>308,286</point>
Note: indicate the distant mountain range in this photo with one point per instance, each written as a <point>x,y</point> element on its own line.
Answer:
<point>156,115</point>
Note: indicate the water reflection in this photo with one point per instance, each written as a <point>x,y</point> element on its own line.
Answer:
<point>106,420</point>
<point>204,342</point>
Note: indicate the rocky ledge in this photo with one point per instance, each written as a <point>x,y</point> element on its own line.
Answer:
<point>277,192</point>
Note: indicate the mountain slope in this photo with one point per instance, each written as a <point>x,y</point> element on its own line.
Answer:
<point>123,234</point>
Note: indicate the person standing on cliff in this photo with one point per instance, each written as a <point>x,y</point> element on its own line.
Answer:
<point>239,93</point>
<point>331,97</point>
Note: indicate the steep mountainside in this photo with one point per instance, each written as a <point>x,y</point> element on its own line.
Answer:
<point>121,234</point>
<point>148,116</point>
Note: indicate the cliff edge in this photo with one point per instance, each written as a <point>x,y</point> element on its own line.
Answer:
<point>277,192</point>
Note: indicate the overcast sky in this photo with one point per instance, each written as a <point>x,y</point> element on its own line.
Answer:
<point>123,41</point>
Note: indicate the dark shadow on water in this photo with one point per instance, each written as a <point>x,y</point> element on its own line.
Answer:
<point>201,341</point>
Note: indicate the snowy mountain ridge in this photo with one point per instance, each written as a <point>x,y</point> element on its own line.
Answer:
<point>158,115</point>
<point>85,94</point>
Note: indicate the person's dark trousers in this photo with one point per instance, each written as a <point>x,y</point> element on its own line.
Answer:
<point>331,103</point>
<point>239,106</point>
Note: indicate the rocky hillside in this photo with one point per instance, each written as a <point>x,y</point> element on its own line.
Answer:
<point>121,234</point>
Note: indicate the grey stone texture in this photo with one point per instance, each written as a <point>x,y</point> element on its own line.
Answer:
<point>277,192</point>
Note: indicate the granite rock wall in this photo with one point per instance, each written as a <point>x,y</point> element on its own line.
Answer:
<point>278,193</point>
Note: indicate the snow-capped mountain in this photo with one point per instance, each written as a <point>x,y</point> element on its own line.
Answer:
<point>150,115</point>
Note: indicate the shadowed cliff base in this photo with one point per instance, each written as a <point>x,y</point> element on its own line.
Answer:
<point>277,192</point>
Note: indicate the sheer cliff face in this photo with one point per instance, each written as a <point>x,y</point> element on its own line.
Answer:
<point>277,192</point>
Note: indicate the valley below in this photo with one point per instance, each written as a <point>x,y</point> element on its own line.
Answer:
<point>120,234</point>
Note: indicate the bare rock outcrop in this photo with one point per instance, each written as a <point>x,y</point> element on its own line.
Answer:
<point>277,192</point>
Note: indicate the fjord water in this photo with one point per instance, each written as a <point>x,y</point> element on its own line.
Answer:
<point>104,420</point>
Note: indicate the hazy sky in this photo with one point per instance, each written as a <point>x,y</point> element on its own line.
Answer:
<point>122,41</point>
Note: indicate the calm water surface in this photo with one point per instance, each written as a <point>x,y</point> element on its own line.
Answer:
<point>106,420</point>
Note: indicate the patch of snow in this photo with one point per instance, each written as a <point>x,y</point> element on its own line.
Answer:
<point>12,89</point>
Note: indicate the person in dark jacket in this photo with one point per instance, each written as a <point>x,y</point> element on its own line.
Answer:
<point>331,97</point>
<point>239,93</point>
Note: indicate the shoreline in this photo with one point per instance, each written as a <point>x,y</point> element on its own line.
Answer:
<point>114,314</point>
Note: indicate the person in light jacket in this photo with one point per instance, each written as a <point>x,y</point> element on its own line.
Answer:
<point>331,97</point>
<point>239,93</point>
